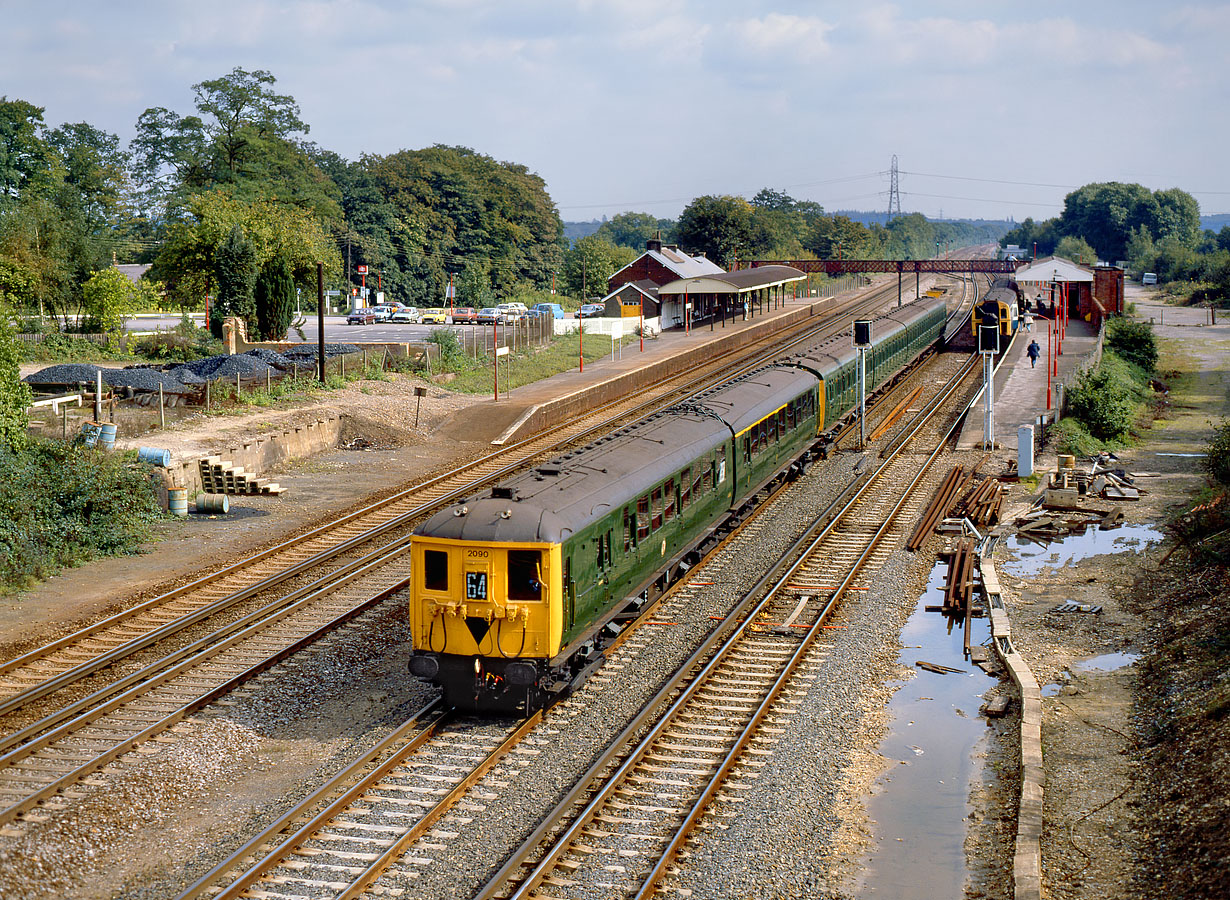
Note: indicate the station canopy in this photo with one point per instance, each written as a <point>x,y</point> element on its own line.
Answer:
<point>739,282</point>
<point>1052,268</point>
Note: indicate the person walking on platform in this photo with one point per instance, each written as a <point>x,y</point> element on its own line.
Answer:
<point>1028,320</point>
<point>1033,350</point>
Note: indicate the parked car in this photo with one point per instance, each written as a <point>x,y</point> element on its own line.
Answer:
<point>465,314</point>
<point>383,313</point>
<point>407,315</point>
<point>489,316</point>
<point>512,312</point>
<point>590,310</point>
<point>436,316</point>
<point>360,317</point>
<point>554,310</point>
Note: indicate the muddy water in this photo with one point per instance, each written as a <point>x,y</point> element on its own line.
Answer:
<point>1027,558</point>
<point>918,806</point>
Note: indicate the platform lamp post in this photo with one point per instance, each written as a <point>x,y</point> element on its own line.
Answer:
<point>862,340</point>
<point>988,347</point>
<point>1048,363</point>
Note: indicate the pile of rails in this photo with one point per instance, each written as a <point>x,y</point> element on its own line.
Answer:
<point>964,498</point>
<point>1070,504</point>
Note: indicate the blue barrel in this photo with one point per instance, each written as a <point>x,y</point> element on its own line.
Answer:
<point>154,456</point>
<point>106,435</point>
<point>89,433</point>
<point>177,501</point>
<point>213,503</point>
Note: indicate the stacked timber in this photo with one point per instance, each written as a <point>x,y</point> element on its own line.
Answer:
<point>219,476</point>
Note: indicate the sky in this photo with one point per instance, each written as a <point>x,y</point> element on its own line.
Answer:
<point>993,110</point>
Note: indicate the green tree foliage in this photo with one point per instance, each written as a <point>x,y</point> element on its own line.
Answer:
<point>186,261</point>
<point>95,169</point>
<point>110,297</point>
<point>474,285</point>
<point>589,263</point>
<point>719,227</point>
<point>243,138</point>
<point>275,300</point>
<point>235,268</point>
<point>780,223</point>
<point>14,393</point>
<point>445,206</point>
<point>1076,249</point>
<point>633,229</point>
<point>840,237</point>
<point>27,163</point>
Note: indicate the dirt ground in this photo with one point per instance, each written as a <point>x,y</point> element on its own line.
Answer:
<point>1093,821</point>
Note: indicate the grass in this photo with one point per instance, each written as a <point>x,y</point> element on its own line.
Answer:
<point>527,366</point>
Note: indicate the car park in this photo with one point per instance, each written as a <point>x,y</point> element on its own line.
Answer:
<point>554,310</point>
<point>489,316</point>
<point>360,317</point>
<point>436,316</point>
<point>383,313</point>
<point>465,314</point>
<point>590,310</point>
<point>407,315</point>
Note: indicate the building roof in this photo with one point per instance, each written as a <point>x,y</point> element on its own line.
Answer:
<point>735,282</point>
<point>133,271</point>
<point>1053,268</point>
<point>644,286</point>
<point>679,263</point>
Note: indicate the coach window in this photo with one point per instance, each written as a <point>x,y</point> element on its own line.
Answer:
<point>642,519</point>
<point>435,570</point>
<point>698,485</point>
<point>668,493</point>
<point>524,575</point>
<point>685,488</point>
<point>656,508</point>
<point>603,546</point>
<point>629,529</point>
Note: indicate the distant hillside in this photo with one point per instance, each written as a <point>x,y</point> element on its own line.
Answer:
<point>1216,222</point>
<point>870,217</point>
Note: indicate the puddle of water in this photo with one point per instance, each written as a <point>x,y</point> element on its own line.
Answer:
<point>919,805</point>
<point>1107,662</point>
<point>1050,690</point>
<point>1029,557</point>
<point>1192,455</point>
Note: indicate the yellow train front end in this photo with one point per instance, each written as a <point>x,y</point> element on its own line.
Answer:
<point>486,618</point>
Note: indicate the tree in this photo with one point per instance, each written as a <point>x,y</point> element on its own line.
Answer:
<point>187,259</point>
<point>235,269</point>
<point>95,168</point>
<point>474,285</point>
<point>15,395</point>
<point>840,237</point>
<point>1178,216</point>
<point>26,162</point>
<point>588,264</point>
<point>719,227</point>
<point>275,300</point>
<point>1076,249</point>
<point>1105,214</point>
<point>110,297</point>
<point>633,229</point>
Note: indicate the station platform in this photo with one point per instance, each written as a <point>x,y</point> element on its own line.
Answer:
<point>1020,389</point>
<point>536,407</point>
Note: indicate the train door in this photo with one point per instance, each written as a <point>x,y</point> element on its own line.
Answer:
<point>570,597</point>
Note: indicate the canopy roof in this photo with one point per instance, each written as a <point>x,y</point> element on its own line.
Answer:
<point>738,282</point>
<point>1053,268</point>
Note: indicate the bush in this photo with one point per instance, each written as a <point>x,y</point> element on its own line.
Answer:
<point>61,504</point>
<point>185,344</point>
<point>1217,462</point>
<point>1134,341</point>
<point>60,347</point>
<point>1106,399</point>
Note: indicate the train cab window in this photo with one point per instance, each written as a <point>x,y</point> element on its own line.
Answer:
<point>435,570</point>
<point>656,508</point>
<point>668,493</point>
<point>642,519</point>
<point>685,488</point>
<point>524,575</point>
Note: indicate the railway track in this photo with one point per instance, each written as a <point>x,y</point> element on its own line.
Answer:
<point>384,823</point>
<point>168,657</point>
<point>647,794</point>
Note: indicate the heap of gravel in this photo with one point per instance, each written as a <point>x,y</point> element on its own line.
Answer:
<point>253,364</point>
